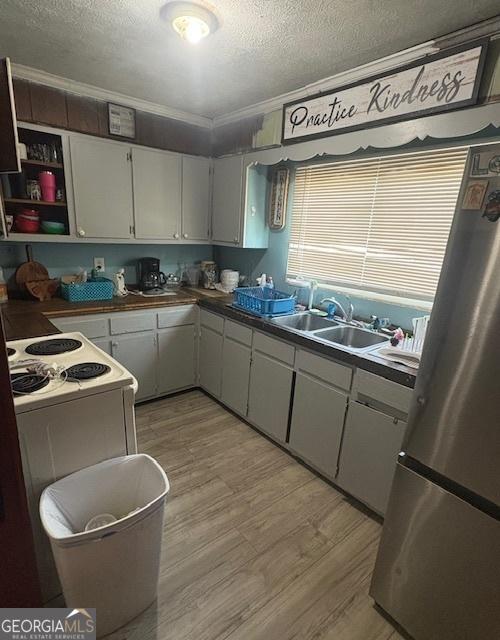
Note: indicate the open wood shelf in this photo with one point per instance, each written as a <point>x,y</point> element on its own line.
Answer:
<point>41,163</point>
<point>35,203</point>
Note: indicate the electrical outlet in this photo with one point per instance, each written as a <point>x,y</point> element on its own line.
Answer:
<point>99,265</point>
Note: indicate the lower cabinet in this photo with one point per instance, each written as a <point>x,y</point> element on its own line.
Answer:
<point>210,361</point>
<point>104,344</point>
<point>137,353</point>
<point>176,358</point>
<point>158,346</point>
<point>235,375</point>
<point>269,395</point>
<point>372,441</point>
<point>317,423</point>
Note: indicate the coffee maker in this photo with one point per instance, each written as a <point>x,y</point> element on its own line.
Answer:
<point>150,279</point>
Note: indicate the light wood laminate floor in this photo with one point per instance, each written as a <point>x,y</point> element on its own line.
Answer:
<point>256,547</point>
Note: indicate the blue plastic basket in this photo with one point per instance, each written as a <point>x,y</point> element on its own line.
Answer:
<point>263,301</point>
<point>96,289</point>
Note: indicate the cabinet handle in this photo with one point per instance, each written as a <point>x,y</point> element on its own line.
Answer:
<point>114,345</point>
<point>176,236</point>
<point>81,232</point>
<point>184,235</point>
<point>236,240</point>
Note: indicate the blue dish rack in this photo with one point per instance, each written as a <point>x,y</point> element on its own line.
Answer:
<point>263,301</point>
<point>96,289</point>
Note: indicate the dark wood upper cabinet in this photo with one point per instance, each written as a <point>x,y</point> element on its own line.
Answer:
<point>9,153</point>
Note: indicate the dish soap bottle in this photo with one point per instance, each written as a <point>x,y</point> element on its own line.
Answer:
<point>3,287</point>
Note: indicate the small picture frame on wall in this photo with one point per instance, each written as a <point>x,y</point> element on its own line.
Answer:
<point>279,196</point>
<point>121,121</point>
<point>474,195</point>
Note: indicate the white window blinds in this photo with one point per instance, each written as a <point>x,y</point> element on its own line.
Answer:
<point>376,225</point>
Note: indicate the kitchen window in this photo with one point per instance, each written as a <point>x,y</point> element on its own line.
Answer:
<point>378,225</point>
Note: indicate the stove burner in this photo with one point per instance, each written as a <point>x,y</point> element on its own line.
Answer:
<point>53,347</point>
<point>27,382</point>
<point>87,370</point>
<point>10,352</point>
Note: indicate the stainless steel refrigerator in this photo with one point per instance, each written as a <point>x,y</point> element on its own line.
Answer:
<point>438,566</point>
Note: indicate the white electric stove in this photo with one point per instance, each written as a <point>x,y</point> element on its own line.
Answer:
<point>74,407</point>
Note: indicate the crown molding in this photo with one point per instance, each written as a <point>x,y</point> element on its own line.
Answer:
<point>486,28</point>
<point>72,86</point>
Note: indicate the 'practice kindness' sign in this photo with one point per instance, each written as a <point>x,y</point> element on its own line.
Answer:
<point>438,83</point>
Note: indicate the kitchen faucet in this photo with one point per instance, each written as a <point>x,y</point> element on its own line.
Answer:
<point>347,314</point>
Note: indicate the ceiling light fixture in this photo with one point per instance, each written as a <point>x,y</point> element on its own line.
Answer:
<point>190,20</point>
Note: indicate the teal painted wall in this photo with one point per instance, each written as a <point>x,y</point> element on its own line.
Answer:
<point>253,262</point>
<point>65,258</point>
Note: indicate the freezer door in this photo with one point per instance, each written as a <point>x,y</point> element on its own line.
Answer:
<point>454,422</point>
<point>438,567</point>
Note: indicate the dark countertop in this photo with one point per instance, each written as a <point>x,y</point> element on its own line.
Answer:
<point>368,361</point>
<point>31,319</point>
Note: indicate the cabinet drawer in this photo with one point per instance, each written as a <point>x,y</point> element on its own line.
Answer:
<point>212,321</point>
<point>367,386</point>
<point>132,322</point>
<point>238,332</point>
<point>177,316</point>
<point>94,327</point>
<point>274,348</point>
<point>336,374</point>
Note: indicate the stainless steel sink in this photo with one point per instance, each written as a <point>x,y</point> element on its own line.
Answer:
<point>351,337</point>
<point>305,322</point>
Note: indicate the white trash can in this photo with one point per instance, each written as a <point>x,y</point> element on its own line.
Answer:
<point>115,567</point>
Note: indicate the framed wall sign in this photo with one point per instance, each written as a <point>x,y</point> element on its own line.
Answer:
<point>279,197</point>
<point>474,195</point>
<point>121,121</point>
<point>447,80</point>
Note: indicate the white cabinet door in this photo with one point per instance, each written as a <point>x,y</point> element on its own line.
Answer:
<point>317,423</point>
<point>176,363</point>
<point>104,344</point>
<point>195,198</point>
<point>227,200</point>
<point>210,361</point>
<point>102,185</point>
<point>157,194</point>
<point>269,395</point>
<point>370,447</point>
<point>235,375</point>
<point>138,354</point>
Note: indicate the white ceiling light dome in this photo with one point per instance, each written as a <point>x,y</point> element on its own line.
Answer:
<point>191,20</point>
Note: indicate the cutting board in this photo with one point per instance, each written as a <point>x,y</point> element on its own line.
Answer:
<point>30,271</point>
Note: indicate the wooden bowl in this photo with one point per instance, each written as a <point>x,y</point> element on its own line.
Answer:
<point>42,289</point>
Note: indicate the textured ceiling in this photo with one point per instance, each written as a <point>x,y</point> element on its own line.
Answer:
<point>264,47</point>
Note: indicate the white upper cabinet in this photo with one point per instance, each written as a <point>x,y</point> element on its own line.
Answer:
<point>239,202</point>
<point>195,198</point>
<point>227,200</point>
<point>157,180</point>
<point>102,187</point>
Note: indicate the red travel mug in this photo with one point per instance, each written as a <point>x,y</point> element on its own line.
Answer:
<point>47,185</point>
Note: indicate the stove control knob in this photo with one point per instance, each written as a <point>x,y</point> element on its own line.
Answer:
<point>81,232</point>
